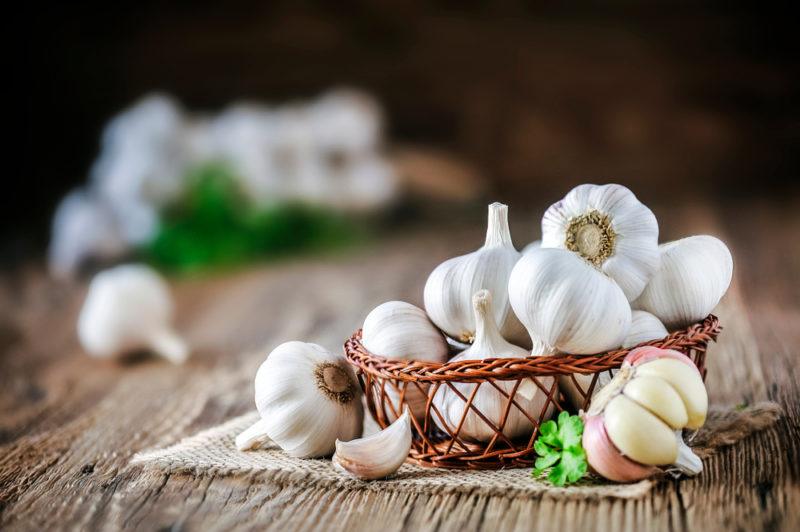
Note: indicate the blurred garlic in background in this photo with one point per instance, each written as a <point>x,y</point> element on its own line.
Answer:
<point>83,226</point>
<point>324,153</point>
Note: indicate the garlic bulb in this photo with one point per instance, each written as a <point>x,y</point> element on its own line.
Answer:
<point>488,400</point>
<point>396,329</point>
<point>695,273</point>
<point>610,228</point>
<point>308,398</point>
<point>449,289</point>
<point>536,244</point>
<point>566,304</point>
<point>128,308</point>
<point>635,422</point>
<point>376,456</point>
<point>400,330</point>
<point>644,328</point>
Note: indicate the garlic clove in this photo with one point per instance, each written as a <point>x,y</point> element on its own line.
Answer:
<point>567,304</point>
<point>308,397</point>
<point>400,330</point>
<point>657,396</point>
<point>686,382</point>
<point>609,227</point>
<point>644,328</point>
<point>695,273</point>
<point>606,459</point>
<point>449,288</point>
<point>376,456</point>
<point>638,434</point>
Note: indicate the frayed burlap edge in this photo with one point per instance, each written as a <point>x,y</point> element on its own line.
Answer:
<point>212,452</point>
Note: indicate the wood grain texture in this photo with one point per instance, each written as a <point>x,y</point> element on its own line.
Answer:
<point>69,425</point>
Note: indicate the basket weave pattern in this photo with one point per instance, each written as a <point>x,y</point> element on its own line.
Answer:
<point>390,384</point>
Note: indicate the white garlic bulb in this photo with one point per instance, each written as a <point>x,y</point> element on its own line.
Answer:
<point>609,227</point>
<point>566,304</point>
<point>400,330</point>
<point>84,227</point>
<point>376,456</point>
<point>449,288</point>
<point>129,308</point>
<point>536,244</point>
<point>695,273</point>
<point>308,398</point>
<point>644,328</point>
<point>397,329</point>
<point>488,400</point>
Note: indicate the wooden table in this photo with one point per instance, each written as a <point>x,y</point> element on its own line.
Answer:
<point>70,424</point>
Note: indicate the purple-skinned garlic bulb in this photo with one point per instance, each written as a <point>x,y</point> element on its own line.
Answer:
<point>635,422</point>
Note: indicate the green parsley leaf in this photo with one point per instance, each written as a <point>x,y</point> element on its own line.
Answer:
<point>570,430</point>
<point>559,449</point>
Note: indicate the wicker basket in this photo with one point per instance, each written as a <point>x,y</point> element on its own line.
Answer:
<point>386,382</point>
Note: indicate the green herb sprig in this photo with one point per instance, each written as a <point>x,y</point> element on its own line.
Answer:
<point>560,450</point>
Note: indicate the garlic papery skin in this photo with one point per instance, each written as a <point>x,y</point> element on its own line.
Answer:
<point>376,456</point>
<point>399,330</point>
<point>566,304</point>
<point>635,421</point>
<point>449,288</point>
<point>128,308</point>
<point>695,273</point>
<point>644,328</point>
<point>308,398</point>
<point>489,343</point>
<point>611,229</point>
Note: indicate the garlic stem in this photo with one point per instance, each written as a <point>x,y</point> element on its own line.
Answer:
<point>168,345</point>
<point>487,335</point>
<point>253,437</point>
<point>687,462</point>
<point>497,231</point>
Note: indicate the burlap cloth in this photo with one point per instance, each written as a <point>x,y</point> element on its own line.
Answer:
<point>212,451</point>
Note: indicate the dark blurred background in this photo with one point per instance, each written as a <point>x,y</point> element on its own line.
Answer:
<point>679,99</point>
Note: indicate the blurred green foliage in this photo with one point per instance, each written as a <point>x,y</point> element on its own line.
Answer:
<point>215,226</point>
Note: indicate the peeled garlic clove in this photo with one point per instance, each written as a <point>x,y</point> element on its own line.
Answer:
<point>308,398</point>
<point>638,434</point>
<point>396,329</point>
<point>376,456</point>
<point>644,328</point>
<point>449,288</point>
<point>566,304</point>
<point>657,396</point>
<point>695,273</point>
<point>129,308</point>
<point>606,459</point>
<point>489,343</point>
<point>609,227</point>
<point>686,382</point>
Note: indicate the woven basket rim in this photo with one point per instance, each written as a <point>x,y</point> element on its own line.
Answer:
<point>514,368</point>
